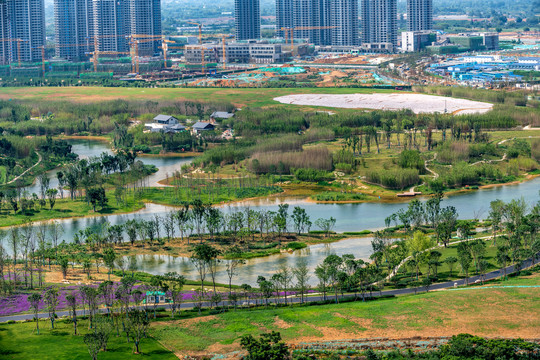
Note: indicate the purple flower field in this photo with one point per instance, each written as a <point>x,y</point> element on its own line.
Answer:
<point>18,303</point>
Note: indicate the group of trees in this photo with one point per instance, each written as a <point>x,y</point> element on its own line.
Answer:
<point>123,313</point>
<point>514,227</point>
<point>270,346</point>
<point>34,247</point>
<point>275,146</point>
<point>83,178</point>
<point>202,222</point>
<point>19,154</point>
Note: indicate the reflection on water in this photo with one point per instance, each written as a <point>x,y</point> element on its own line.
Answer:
<point>264,266</point>
<point>349,217</point>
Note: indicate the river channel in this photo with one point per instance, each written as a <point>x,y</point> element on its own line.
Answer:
<point>349,217</point>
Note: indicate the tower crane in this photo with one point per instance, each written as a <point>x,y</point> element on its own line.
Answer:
<point>18,47</point>
<point>200,30</point>
<point>134,42</point>
<point>95,55</point>
<point>224,48</point>
<point>165,48</point>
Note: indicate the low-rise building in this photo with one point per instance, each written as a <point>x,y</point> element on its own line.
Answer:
<point>412,41</point>
<point>166,124</point>
<point>221,115</point>
<point>386,47</point>
<point>156,297</point>
<point>476,41</point>
<point>165,119</point>
<point>201,126</point>
<point>258,52</point>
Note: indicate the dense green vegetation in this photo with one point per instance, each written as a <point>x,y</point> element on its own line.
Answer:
<point>35,155</point>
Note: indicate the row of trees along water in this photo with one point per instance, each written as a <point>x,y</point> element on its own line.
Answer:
<point>38,245</point>
<point>416,230</point>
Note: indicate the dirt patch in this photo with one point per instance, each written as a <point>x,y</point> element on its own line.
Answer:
<point>218,348</point>
<point>281,324</point>
<point>75,276</point>
<point>193,321</point>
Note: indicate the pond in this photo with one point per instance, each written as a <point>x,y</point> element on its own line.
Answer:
<point>263,266</point>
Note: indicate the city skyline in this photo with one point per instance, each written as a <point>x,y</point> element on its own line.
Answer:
<point>80,25</point>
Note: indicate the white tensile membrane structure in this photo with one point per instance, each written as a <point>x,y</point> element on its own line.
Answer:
<point>418,103</point>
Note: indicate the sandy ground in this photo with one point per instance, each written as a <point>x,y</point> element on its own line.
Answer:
<point>418,103</point>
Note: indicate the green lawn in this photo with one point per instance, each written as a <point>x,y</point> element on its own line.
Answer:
<point>66,208</point>
<point>242,97</point>
<point>19,341</point>
<point>495,312</point>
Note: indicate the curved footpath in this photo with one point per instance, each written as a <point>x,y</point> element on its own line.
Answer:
<point>440,286</point>
<point>27,170</point>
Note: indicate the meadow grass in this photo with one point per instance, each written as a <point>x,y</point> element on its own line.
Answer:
<point>237,96</point>
<point>20,341</point>
<point>491,312</point>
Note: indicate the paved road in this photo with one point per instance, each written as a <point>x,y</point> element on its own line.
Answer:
<point>446,285</point>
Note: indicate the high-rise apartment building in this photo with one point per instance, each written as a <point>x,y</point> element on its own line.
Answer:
<point>4,34</point>
<point>112,25</point>
<point>320,22</point>
<point>74,28</point>
<point>145,19</point>
<point>379,24</point>
<point>284,16</point>
<point>26,20</point>
<point>344,22</point>
<point>419,15</point>
<point>107,25</point>
<point>306,14</point>
<point>247,18</point>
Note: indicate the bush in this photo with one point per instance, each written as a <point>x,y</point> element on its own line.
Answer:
<point>411,159</point>
<point>141,148</point>
<point>462,174</point>
<point>394,179</point>
<point>453,152</point>
<point>343,167</point>
<point>296,245</point>
<point>519,147</point>
<point>313,175</point>
<point>281,163</point>
<point>363,232</point>
<point>524,164</point>
<point>339,196</point>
